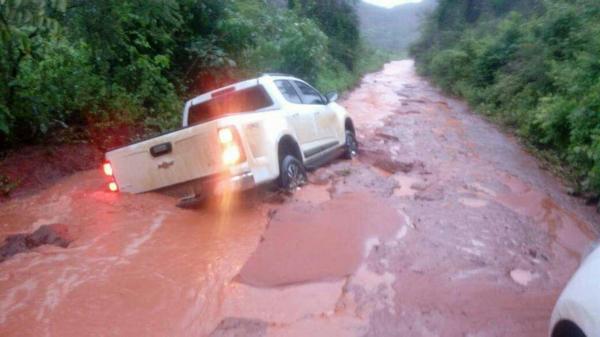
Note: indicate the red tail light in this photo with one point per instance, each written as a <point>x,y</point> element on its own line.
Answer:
<point>107,169</point>
<point>232,146</point>
<point>113,187</point>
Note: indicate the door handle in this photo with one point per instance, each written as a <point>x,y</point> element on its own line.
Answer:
<point>161,149</point>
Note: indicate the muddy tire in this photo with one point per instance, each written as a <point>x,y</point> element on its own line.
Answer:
<point>292,173</point>
<point>351,147</point>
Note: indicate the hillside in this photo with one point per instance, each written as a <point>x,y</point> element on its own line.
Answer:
<point>392,29</point>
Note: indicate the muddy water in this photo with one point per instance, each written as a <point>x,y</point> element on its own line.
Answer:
<point>442,227</point>
<point>307,242</point>
<point>134,259</point>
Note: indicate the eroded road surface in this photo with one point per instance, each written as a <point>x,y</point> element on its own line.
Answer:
<point>442,227</point>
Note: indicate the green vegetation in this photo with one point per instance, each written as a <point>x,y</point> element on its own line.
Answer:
<point>100,64</point>
<point>531,64</point>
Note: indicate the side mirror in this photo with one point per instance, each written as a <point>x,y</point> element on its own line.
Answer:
<point>332,96</point>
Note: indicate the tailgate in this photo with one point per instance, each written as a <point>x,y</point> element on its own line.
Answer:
<point>170,159</point>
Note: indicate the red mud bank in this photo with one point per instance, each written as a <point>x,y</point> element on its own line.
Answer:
<point>33,168</point>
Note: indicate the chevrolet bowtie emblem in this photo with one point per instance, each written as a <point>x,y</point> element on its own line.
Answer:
<point>166,164</point>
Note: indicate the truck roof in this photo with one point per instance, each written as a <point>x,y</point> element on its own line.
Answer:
<point>238,86</point>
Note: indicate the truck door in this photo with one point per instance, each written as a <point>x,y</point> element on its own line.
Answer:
<point>325,118</point>
<point>299,117</point>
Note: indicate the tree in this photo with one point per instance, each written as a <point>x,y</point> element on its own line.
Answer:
<point>338,20</point>
<point>21,22</point>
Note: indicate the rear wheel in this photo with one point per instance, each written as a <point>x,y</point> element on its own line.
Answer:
<point>292,173</point>
<point>351,145</point>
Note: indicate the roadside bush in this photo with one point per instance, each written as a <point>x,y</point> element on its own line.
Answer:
<point>274,41</point>
<point>53,86</point>
<point>339,21</point>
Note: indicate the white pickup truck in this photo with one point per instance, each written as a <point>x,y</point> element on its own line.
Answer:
<point>253,132</point>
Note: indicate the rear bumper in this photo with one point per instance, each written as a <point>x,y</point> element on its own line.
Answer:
<point>235,183</point>
<point>215,184</point>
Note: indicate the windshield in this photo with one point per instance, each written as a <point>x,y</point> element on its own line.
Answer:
<point>246,100</point>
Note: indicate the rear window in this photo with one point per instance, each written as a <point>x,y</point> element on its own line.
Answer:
<point>288,91</point>
<point>246,100</point>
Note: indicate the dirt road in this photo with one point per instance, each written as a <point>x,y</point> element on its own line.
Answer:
<point>442,227</point>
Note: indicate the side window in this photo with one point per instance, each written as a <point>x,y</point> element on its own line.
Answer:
<point>288,91</point>
<point>309,95</point>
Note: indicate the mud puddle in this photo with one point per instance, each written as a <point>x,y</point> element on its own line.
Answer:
<point>314,193</point>
<point>522,277</point>
<point>564,228</point>
<point>408,186</point>
<point>382,161</point>
<point>304,242</point>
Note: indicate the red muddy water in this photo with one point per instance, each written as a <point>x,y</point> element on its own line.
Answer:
<point>307,242</point>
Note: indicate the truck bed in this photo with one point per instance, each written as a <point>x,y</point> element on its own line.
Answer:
<point>183,155</point>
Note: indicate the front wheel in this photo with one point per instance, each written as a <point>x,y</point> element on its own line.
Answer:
<point>351,145</point>
<point>292,173</point>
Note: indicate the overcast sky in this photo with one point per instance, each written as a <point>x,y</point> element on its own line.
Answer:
<point>389,3</point>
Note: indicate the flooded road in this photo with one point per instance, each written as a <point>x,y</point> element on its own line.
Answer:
<point>443,226</point>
